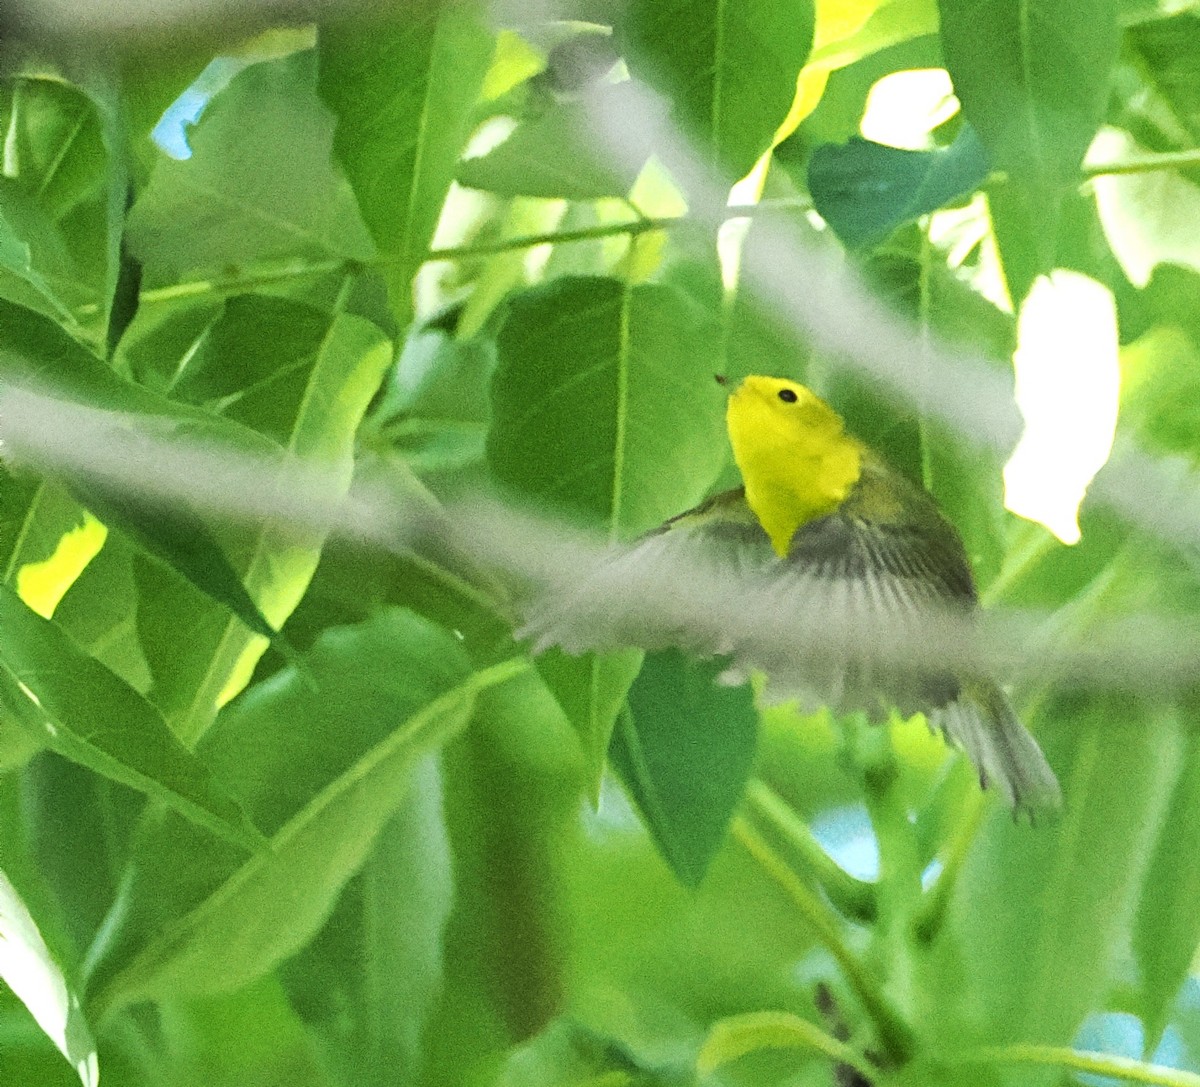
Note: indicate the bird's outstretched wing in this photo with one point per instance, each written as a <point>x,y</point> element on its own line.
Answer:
<point>880,563</point>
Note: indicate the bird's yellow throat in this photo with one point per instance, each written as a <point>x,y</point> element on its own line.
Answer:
<point>796,460</point>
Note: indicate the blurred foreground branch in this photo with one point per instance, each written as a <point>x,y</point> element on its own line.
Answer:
<point>138,456</point>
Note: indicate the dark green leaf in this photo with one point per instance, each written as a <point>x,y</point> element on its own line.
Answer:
<point>513,785</point>
<point>604,406</point>
<point>730,70</point>
<point>685,751</point>
<point>1033,78</point>
<point>864,190</point>
<point>78,708</point>
<point>402,88</point>
<point>603,402</point>
<point>591,689</point>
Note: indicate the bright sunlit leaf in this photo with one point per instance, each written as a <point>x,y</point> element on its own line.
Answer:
<point>43,584</point>
<point>1068,382</point>
<point>29,970</point>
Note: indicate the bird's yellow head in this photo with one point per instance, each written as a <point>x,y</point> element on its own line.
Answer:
<point>796,460</point>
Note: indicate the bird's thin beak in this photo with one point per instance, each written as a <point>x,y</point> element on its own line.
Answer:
<point>721,380</point>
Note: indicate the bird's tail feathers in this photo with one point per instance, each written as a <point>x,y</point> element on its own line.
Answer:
<point>982,723</point>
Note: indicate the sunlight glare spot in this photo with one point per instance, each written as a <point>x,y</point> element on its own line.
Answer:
<point>731,235</point>
<point>904,108</point>
<point>488,136</point>
<point>1067,387</point>
<point>43,584</point>
<point>29,970</point>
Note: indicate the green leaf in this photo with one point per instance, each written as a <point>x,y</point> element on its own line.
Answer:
<point>78,825</point>
<point>740,1035</point>
<point>99,613</point>
<point>551,154</point>
<point>1166,931</point>
<point>252,1036</point>
<point>1033,77</point>
<point>1160,370</point>
<point>180,538</point>
<point>34,260</point>
<point>591,689</point>
<point>262,169</point>
<point>434,410</point>
<point>78,708</point>
<point>685,750</point>
<point>29,969</point>
<point>864,190</point>
<point>1163,56</point>
<point>381,953</point>
<point>604,404</point>
<point>322,774</point>
<point>301,377</point>
<point>512,807</point>
<point>730,70</point>
<point>41,356</point>
<point>52,540</point>
<point>402,89</point>
<point>1064,892</point>
<point>64,150</point>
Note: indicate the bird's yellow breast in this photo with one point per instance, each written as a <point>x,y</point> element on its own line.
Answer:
<point>796,460</point>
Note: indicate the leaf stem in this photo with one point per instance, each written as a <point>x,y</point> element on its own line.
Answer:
<point>269,277</point>
<point>853,897</point>
<point>1145,164</point>
<point>603,230</point>
<point>632,227</point>
<point>932,912</point>
<point>895,1035</point>
<point>1104,1064</point>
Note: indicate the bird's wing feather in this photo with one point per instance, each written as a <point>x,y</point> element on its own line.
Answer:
<point>877,565</point>
<point>868,565</point>
<point>708,554</point>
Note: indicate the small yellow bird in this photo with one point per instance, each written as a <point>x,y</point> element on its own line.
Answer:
<point>822,529</point>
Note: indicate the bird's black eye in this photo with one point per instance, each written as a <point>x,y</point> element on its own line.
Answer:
<point>788,396</point>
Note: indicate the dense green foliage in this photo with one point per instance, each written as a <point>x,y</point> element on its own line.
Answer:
<point>281,806</point>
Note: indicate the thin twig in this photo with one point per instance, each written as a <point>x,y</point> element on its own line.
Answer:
<point>1101,1064</point>
<point>895,1035</point>
<point>853,897</point>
